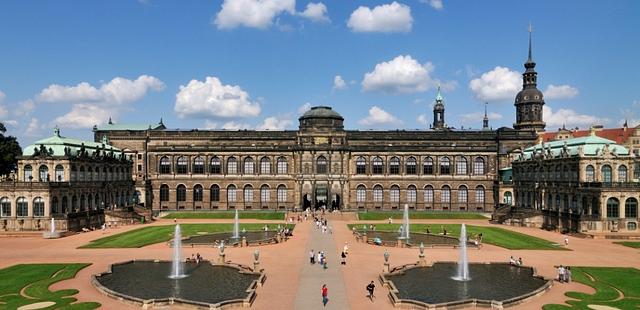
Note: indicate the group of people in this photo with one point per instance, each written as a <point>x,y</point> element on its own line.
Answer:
<point>515,262</point>
<point>319,258</point>
<point>197,258</point>
<point>322,224</point>
<point>564,274</point>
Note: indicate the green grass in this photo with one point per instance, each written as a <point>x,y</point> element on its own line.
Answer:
<point>29,283</point>
<point>153,234</point>
<point>607,282</point>
<point>371,216</point>
<point>257,215</point>
<point>490,235</point>
<point>631,244</point>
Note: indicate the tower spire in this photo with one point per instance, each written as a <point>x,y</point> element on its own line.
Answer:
<point>530,59</point>
<point>485,120</point>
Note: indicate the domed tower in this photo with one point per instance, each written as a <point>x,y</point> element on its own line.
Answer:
<point>438,112</point>
<point>321,118</point>
<point>529,100</point>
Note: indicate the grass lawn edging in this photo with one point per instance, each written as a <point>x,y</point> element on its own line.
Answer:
<point>255,215</point>
<point>419,215</point>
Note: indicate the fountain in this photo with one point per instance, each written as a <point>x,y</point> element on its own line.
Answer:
<point>177,270</point>
<point>463,262</point>
<point>236,227</point>
<point>52,233</point>
<point>53,226</point>
<point>404,229</point>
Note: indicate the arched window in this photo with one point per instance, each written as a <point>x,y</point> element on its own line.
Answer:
<point>74,204</point>
<point>631,208</point>
<point>394,165</point>
<point>22,207</point>
<point>90,174</point>
<point>461,165</point>
<point>231,193</point>
<point>265,165</point>
<point>248,166</point>
<point>478,166</point>
<point>590,174</point>
<point>215,193</point>
<point>5,207</point>
<point>428,194</point>
<point>445,165</point>
<point>181,165</point>
<point>197,192</point>
<point>265,193</point>
<point>54,205</point>
<point>480,194</point>
<point>361,165</point>
<point>377,193</point>
<point>164,192</point>
<point>463,194</point>
<point>394,193</point>
<point>43,173</point>
<point>378,166</point>
<point>321,165</point>
<point>558,205</point>
<point>215,167</point>
<point>181,193</point>
<point>59,173</point>
<point>410,166</point>
<point>445,194</point>
<point>613,208</point>
<point>508,197</point>
<point>411,194</point>
<point>606,174</point>
<point>104,173</point>
<point>165,165</point>
<point>232,165</point>
<point>282,194</point>
<point>97,202</point>
<point>90,204</point>
<point>65,204</point>
<point>198,165</point>
<point>282,166</point>
<point>427,166</point>
<point>248,194</point>
<point>83,203</point>
<point>361,193</point>
<point>28,173</point>
<point>622,173</point>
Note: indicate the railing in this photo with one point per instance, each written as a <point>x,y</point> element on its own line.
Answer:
<point>630,185</point>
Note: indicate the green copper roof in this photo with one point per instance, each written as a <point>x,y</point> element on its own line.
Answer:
<point>439,97</point>
<point>58,143</point>
<point>590,145</point>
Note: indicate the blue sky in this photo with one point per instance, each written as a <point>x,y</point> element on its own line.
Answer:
<point>257,64</point>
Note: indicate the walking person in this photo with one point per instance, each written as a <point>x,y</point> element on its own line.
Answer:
<point>344,258</point>
<point>325,295</point>
<point>312,257</point>
<point>566,241</point>
<point>370,289</point>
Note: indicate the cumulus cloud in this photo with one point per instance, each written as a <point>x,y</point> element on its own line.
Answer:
<point>422,119</point>
<point>316,12</point>
<point>117,91</point>
<point>403,74</point>
<point>85,116</point>
<point>210,98</point>
<point>378,116</point>
<point>33,130</point>
<point>304,108</point>
<point>436,4</point>
<point>25,108</point>
<point>252,13</point>
<point>210,125</point>
<point>560,92</point>
<point>569,118</point>
<point>339,83</point>
<point>499,84</point>
<point>275,123</point>
<point>394,17</point>
<point>233,125</point>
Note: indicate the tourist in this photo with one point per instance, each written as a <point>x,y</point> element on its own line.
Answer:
<point>561,274</point>
<point>344,258</point>
<point>428,231</point>
<point>324,262</point>
<point>566,241</point>
<point>319,257</point>
<point>193,257</point>
<point>512,260</point>
<point>370,289</point>
<point>345,248</point>
<point>519,261</point>
<point>198,258</point>
<point>325,295</point>
<point>374,227</point>
<point>312,257</point>
<point>266,228</point>
<point>390,220</point>
<point>371,227</point>
<point>567,274</point>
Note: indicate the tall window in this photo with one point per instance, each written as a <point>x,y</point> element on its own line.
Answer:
<point>215,193</point>
<point>22,207</point>
<point>248,194</point>
<point>508,197</point>
<point>377,193</point>
<point>164,192</point>
<point>394,165</point>
<point>606,174</point>
<point>60,173</point>
<point>215,166</point>
<point>198,165</point>
<point>445,194</point>
<point>282,165</point>
<point>590,174</point>
<point>54,205</point>
<point>181,165</point>
<point>232,165</point>
<point>461,165</point>
<point>428,194</point>
<point>231,193</point>
<point>411,194</point>
<point>248,165</point>
<point>181,193</point>
<point>282,194</point>
<point>265,165</point>
<point>631,208</point>
<point>613,207</point>
<point>445,165</point>
<point>394,193</point>
<point>90,174</point>
<point>28,173</point>
<point>361,193</point>
<point>197,192</point>
<point>321,165</point>
<point>427,166</point>
<point>480,195</point>
<point>463,194</point>
<point>5,207</point>
<point>165,165</point>
<point>410,166</point>
<point>377,165</point>
<point>478,166</point>
<point>265,193</point>
<point>44,173</point>
<point>361,165</point>
<point>622,173</point>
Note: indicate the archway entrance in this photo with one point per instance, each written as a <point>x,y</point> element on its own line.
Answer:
<point>306,203</point>
<point>335,202</point>
<point>321,196</point>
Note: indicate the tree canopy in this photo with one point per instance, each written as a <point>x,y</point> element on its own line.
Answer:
<point>9,151</point>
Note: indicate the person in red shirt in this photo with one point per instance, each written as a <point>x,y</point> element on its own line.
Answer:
<point>325,295</point>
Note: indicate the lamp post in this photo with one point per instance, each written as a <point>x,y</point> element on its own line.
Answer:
<point>386,261</point>
<point>256,262</point>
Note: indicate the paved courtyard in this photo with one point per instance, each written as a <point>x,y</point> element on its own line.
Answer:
<point>292,283</point>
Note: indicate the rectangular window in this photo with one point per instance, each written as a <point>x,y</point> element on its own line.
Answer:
<point>428,195</point>
<point>215,194</point>
<point>215,168</point>
<point>411,168</point>
<point>411,196</point>
<point>377,168</point>
<point>395,195</point>
<point>139,156</point>
<point>22,209</point>
<point>38,209</point>
<point>427,169</point>
<point>394,169</point>
<point>282,167</point>
<point>232,167</point>
<point>361,169</point>
<point>248,195</point>
<point>377,195</point>
<point>5,208</point>
<point>139,168</point>
<point>231,195</point>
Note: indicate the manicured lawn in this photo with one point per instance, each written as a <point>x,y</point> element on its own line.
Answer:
<point>490,235</point>
<point>264,215</point>
<point>371,216</point>
<point>607,282</point>
<point>153,234</point>
<point>631,244</point>
<point>28,284</point>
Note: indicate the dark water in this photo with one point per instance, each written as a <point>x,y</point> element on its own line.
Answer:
<point>206,283</point>
<point>252,236</point>
<point>488,282</point>
<point>414,238</point>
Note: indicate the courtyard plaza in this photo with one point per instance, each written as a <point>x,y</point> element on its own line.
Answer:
<point>292,283</point>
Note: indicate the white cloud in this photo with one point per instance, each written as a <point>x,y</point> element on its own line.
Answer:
<point>476,117</point>
<point>569,118</point>
<point>84,115</point>
<point>275,123</point>
<point>252,13</point>
<point>436,4</point>
<point>304,108</point>
<point>560,92</point>
<point>422,119</point>
<point>403,74</point>
<point>117,91</point>
<point>394,17</point>
<point>33,130</point>
<point>212,99</point>
<point>233,125</point>
<point>316,12</point>
<point>25,108</point>
<point>499,84</point>
<point>210,125</point>
<point>378,116</point>
<point>339,83</point>
<point>10,122</point>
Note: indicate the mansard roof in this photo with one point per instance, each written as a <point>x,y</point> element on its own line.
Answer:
<point>58,144</point>
<point>590,146</point>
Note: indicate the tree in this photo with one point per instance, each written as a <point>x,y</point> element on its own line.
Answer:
<point>9,151</point>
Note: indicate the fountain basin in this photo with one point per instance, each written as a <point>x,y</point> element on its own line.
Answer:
<point>491,285</point>
<point>209,286</point>
<point>390,238</point>
<point>252,237</point>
